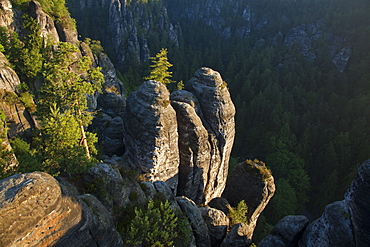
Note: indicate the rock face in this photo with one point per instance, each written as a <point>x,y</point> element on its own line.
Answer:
<point>36,211</point>
<point>286,232</point>
<point>358,204</point>
<point>198,225</point>
<point>217,223</point>
<point>16,114</point>
<point>307,36</point>
<point>333,228</point>
<point>253,183</point>
<point>217,112</point>
<point>111,104</point>
<point>132,24</point>
<point>46,23</point>
<point>150,132</point>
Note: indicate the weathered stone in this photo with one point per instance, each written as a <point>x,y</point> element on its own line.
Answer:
<point>20,121</point>
<point>220,204</point>
<point>272,241</point>
<point>198,225</point>
<point>237,237</point>
<point>217,223</point>
<point>150,132</point>
<point>287,231</point>
<point>217,117</point>
<point>194,148</point>
<point>253,183</point>
<point>358,203</point>
<point>46,23</point>
<point>333,228</point>
<point>36,211</point>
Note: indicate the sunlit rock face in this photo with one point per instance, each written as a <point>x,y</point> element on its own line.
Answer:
<point>150,133</point>
<point>36,211</point>
<point>217,113</point>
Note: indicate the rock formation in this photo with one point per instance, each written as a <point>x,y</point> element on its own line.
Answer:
<point>190,138</point>
<point>36,211</point>
<point>16,114</point>
<point>150,132</point>
<point>253,183</point>
<point>217,223</point>
<point>286,232</point>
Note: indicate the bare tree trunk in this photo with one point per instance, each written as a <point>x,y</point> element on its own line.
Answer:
<point>83,138</point>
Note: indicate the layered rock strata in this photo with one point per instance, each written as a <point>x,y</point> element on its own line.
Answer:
<point>190,138</point>
<point>36,211</point>
<point>150,132</point>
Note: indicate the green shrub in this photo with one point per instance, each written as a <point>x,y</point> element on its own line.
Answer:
<point>238,214</point>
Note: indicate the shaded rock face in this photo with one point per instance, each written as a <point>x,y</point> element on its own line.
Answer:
<point>307,36</point>
<point>358,203</point>
<point>333,228</point>
<point>254,184</point>
<point>110,104</point>
<point>286,232</point>
<point>150,132</point>
<point>19,119</point>
<point>237,236</point>
<point>198,225</point>
<point>36,211</point>
<point>217,112</point>
<point>217,223</point>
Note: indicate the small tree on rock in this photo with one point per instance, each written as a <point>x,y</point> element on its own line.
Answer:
<point>160,67</point>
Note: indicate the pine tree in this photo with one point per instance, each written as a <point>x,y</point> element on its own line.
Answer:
<point>160,67</point>
<point>63,110</point>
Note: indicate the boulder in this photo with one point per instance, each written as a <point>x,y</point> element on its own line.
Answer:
<point>150,133</point>
<point>237,237</point>
<point>217,115</point>
<point>36,211</point>
<point>217,223</point>
<point>333,228</point>
<point>252,182</point>
<point>198,225</point>
<point>286,232</point>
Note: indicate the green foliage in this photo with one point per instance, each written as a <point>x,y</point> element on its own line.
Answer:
<point>238,214</point>
<point>95,45</point>
<point>160,68</point>
<point>28,158</point>
<point>62,111</point>
<point>258,168</point>
<point>153,226</point>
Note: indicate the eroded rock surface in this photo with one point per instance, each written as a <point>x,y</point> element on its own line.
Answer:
<point>36,211</point>
<point>150,132</point>
<point>217,223</point>
<point>217,115</point>
<point>253,183</point>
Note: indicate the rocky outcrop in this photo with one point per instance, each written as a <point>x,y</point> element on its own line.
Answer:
<point>358,204</point>
<point>217,112</point>
<point>237,236</point>
<point>36,211</point>
<point>19,119</point>
<point>46,23</point>
<point>132,25</point>
<point>110,105</point>
<point>198,225</point>
<point>150,132</point>
<point>307,37</point>
<point>333,228</point>
<point>343,223</point>
<point>217,223</point>
<point>252,182</point>
<point>286,232</point>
